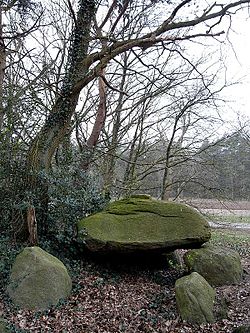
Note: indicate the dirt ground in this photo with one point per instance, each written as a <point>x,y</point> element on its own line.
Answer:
<point>116,300</point>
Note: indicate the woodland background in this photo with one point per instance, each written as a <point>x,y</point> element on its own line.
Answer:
<point>102,99</point>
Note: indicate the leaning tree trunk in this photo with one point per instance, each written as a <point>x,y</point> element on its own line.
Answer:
<point>56,126</point>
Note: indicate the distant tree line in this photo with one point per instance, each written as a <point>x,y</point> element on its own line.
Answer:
<point>218,169</point>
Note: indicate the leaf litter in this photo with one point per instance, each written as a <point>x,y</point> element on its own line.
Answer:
<point>111,299</point>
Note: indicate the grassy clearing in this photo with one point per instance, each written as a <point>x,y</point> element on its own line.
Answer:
<point>228,218</point>
<point>239,241</point>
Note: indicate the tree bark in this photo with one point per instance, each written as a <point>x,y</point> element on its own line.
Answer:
<point>99,122</point>
<point>51,135</point>
<point>2,68</point>
<point>32,226</point>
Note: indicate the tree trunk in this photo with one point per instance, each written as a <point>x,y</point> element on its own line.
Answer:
<point>2,68</point>
<point>111,154</point>
<point>99,122</point>
<point>56,126</point>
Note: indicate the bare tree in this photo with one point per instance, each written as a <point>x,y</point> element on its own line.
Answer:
<point>84,67</point>
<point>100,35</point>
<point>18,19</point>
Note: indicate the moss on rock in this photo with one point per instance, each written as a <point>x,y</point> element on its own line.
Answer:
<point>195,299</point>
<point>219,266</point>
<point>135,224</point>
<point>38,280</point>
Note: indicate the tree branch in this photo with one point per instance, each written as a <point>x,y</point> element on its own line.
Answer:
<point>111,87</point>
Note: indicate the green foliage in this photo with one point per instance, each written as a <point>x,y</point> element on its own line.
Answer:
<point>73,194</point>
<point>12,202</point>
<point>8,252</point>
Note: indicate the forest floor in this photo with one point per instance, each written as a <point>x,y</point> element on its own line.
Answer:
<point>119,297</point>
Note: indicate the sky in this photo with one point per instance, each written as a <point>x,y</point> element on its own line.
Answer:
<point>238,65</point>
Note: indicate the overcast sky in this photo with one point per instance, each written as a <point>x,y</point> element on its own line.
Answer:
<point>238,64</point>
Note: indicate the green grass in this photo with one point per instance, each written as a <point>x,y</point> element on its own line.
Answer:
<point>228,218</point>
<point>239,241</point>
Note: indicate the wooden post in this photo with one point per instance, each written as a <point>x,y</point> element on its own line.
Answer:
<point>32,225</point>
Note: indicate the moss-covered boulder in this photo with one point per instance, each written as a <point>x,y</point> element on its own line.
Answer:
<point>142,224</point>
<point>195,299</point>
<point>38,280</point>
<point>219,266</point>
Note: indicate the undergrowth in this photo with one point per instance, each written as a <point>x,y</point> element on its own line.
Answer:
<point>238,241</point>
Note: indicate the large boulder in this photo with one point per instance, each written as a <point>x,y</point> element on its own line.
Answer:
<point>195,299</point>
<point>219,266</point>
<point>38,280</point>
<point>142,224</point>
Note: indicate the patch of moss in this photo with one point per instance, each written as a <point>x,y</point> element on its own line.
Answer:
<point>24,259</point>
<point>191,257</point>
<point>166,209</point>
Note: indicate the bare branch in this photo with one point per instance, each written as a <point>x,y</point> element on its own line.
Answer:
<point>72,12</point>
<point>110,86</point>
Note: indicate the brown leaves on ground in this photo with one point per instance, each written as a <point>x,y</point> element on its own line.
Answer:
<point>111,300</point>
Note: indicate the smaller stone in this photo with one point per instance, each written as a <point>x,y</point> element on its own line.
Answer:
<point>221,309</point>
<point>38,280</point>
<point>195,299</point>
<point>217,265</point>
<point>173,259</point>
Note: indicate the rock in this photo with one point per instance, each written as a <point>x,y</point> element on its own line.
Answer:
<point>195,299</point>
<point>173,259</point>
<point>38,280</point>
<point>242,329</point>
<point>140,224</point>
<point>3,326</point>
<point>221,309</point>
<point>219,266</point>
